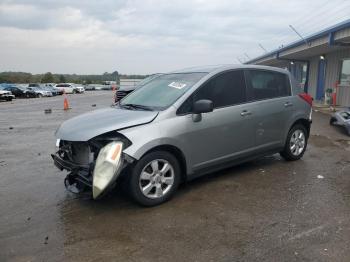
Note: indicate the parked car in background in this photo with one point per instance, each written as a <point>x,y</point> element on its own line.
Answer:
<point>34,85</point>
<point>54,91</point>
<point>341,118</point>
<point>182,125</point>
<point>6,95</point>
<point>78,88</point>
<point>90,87</point>
<point>39,91</point>
<point>28,93</point>
<point>124,90</point>
<point>49,84</point>
<point>20,92</point>
<point>66,88</point>
<point>70,88</point>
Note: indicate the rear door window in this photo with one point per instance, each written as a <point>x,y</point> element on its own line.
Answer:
<point>263,84</point>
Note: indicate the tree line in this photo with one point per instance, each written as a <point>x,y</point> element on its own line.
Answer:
<point>23,77</point>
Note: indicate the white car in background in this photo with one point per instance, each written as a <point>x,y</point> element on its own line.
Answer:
<point>70,88</point>
<point>78,89</point>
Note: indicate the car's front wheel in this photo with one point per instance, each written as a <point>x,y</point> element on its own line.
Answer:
<point>154,178</point>
<point>296,143</point>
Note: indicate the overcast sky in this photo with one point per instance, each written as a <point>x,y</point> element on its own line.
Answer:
<point>147,36</point>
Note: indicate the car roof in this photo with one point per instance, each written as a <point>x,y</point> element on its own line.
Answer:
<point>225,67</point>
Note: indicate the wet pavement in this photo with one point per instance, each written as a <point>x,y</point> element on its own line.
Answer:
<point>264,210</point>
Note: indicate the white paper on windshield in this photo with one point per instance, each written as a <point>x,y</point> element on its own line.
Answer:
<point>177,85</point>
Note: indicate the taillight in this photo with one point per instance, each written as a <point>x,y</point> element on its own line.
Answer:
<point>307,98</point>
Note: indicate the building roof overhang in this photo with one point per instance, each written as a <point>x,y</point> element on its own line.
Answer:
<point>328,40</point>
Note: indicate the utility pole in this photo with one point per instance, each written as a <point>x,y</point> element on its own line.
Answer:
<point>263,48</point>
<point>299,34</point>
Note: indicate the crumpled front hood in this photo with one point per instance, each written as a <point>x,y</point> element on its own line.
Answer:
<point>98,122</point>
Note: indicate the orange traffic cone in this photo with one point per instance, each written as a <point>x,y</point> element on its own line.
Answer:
<point>114,94</point>
<point>65,102</point>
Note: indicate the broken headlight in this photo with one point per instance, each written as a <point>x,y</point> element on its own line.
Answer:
<point>106,168</point>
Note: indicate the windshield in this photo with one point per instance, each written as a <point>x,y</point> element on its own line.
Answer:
<point>147,80</point>
<point>162,91</point>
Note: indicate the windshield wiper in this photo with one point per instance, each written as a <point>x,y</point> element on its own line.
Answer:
<point>135,106</point>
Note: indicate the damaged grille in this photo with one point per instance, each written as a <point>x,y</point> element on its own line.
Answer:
<point>78,158</point>
<point>77,152</point>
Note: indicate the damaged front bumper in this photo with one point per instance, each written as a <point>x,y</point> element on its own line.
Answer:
<point>93,169</point>
<point>79,178</point>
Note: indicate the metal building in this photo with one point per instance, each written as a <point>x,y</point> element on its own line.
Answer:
<point>320,62</point>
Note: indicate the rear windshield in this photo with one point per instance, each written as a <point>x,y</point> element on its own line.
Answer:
<point>162,91</point>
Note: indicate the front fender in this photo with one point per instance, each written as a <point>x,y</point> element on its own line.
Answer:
<point>146,137</point>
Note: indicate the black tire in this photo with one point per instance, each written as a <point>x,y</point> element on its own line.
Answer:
<point>39,95</point>
<point>332,121</point>
<point>135,173</point>
<point>287,153</point>
<point>74,91</point>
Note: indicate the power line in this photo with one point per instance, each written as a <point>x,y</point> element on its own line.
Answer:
<point>328,14</point>
<point>301,23</point>
<point>306,14</point>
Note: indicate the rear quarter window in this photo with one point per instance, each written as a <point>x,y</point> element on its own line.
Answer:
<point>263,84</point>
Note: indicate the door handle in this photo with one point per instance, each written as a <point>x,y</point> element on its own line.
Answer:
<point>288,104</point>
<point>245,113</point>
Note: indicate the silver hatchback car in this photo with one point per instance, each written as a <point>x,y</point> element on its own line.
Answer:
<point>182,125</point>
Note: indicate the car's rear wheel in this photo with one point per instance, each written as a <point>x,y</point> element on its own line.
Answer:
<point>296,143</point>
<point>154,178</point>
<point>39,95</point>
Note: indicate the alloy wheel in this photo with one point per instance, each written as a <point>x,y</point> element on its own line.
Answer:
<point>297,142</point>
<point>157,178</point>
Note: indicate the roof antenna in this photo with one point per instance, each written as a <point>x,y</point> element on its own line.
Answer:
<point>306,42</point>
<point>263,48</point>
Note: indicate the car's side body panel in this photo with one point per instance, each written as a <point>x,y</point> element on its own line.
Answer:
<point>222,136</point>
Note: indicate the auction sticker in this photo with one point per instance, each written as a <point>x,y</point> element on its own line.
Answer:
<point>177,85</point>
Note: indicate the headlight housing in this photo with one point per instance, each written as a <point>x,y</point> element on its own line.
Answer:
<point>58,141</point>
<point>107,166</point>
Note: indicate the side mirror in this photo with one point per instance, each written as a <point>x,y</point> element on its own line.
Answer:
<point>203,106</point>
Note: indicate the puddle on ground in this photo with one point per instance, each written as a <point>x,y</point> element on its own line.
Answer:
<point>324,141</point>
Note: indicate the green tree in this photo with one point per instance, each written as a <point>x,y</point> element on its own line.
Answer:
<point>47,78</point>
<point>62,79</point>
